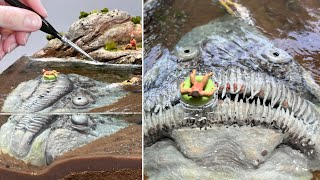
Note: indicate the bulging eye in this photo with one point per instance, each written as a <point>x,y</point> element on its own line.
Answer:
<point>80,119</point>
<point>187,53</point>
<point>276,55</point>
<point>80,100</point>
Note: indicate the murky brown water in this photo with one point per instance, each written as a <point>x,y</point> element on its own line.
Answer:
<point>293,25</point>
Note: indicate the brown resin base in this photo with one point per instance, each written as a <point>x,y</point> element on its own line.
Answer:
<point>74,166</point>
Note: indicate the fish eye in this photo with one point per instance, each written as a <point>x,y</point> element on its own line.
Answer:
<point>274,55</point>
<point>187,53</point>
<point>80,100</point>
<point>79,119</point>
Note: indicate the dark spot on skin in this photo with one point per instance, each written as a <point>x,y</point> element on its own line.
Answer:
<point>186,51</point>
<point>276,54</point>
<point>7,166</point>
<point>264,153</point>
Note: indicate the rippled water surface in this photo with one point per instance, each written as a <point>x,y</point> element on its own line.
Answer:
<point>293,25</point>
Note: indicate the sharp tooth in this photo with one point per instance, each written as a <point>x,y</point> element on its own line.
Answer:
<point>245,90</point>
<point>302,130</point>
<point>259,113</point>
<point>247,110</point>
<point>240,111</point>
<point>266,92</point>
<point>302,108</point>
<point>236,110</point>
<point>236,98</point>
<point>284,94</point>
<point>239,82</point>
<point>231,80</point>
<point>278,114</point>
<point>224,91</point>
<point>273,91</point>
<point>230,112</point>
<point>297,105</point>
<point>258,85</point>
<point>289,98</point>
<point>270,115</point>
<point>264,113</point>
<point>306,116</point>
<point>224,109</point>
<point>254,110</point>
<point>245,84</point>
<point>293,124</point>
<point>287,118</point>
<point>252,81</point>
<point>294,100</point>
<point>278,94</point>
<point>156,109</point>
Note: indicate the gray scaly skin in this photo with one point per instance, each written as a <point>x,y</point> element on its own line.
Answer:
<point>259,86</point>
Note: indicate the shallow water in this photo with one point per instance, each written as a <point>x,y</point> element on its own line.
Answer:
<point>292,25</point>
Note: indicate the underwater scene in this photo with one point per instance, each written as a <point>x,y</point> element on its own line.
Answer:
<point>73,109</point>
<point>231,89</point>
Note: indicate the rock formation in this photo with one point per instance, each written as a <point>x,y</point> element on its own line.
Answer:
<point>93,32</point>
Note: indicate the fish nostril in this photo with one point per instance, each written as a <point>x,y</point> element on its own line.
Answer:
<point>186,51</point>
<point>276,54</point>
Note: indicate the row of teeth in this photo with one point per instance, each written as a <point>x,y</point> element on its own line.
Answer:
<point>298,117</point>
<point>162,97</point>
<point>229,112</point>
<point>254,84</point>
<point>169,118</point>
<point>46,94</point>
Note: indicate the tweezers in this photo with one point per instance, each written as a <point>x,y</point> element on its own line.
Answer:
<point>47,28</point>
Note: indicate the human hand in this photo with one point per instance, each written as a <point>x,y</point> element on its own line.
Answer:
<point>16,24</point>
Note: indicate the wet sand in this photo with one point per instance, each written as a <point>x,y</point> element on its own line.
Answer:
<point>110,175</point>
<point>121,147</point>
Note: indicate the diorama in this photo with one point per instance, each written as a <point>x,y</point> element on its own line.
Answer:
<point>64,116</point>
<point>231,89</point>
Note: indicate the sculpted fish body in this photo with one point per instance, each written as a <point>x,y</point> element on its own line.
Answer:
<point>261,90</point>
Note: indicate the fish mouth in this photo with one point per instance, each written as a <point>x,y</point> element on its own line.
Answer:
<point>243,99</point>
